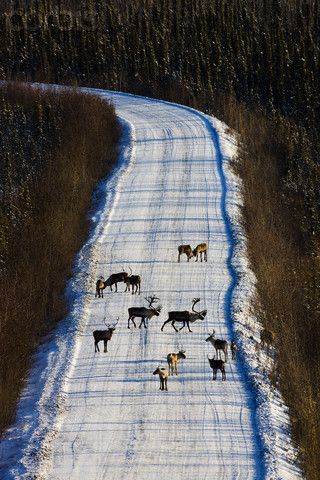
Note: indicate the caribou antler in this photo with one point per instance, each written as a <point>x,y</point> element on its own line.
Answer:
<point>115,324</point>
<point>151,299</point>
<point>111,325</point>
<point>194,301</point>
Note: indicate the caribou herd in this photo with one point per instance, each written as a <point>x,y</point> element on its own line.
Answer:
<point>182,317</point>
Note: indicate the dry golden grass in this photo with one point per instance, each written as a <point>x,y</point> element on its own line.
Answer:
<point>42,251</point>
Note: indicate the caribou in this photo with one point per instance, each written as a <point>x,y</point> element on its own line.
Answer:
<point>185,249</point>
<point>115,278</point>
<point>100,286</point>
<point>217,365</point>
<point>143,312</point>
<point>163,377</point>
<point>172,359</point>
<point>104,335</point>
<point>267,338</point>
<point>134,281</point>
<point>219,345</point>
<point>185,317</point>
<point>233,348</point>
<point>200,249</point>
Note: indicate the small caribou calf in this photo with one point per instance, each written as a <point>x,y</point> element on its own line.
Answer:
<point>185,249</point>
<point>202,248</point>
<point>163,377</point>
<point>172,359</point>
<point>217,365</point>
<point>103,335</point>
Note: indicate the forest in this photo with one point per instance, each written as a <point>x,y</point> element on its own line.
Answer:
<point>253,64</point>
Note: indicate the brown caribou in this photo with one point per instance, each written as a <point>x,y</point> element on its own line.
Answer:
<point>217,365</point>
<point>134,281</point>
<point>185,317</point>
<point>267,338</point>
<point>219,345</point>
<point>172,359</point>
<point>103,335</point>
<point>233,348</point>
<point>185,249</point>
<point>163,377</point>
<point>143,312</point>
<point>200,249</point>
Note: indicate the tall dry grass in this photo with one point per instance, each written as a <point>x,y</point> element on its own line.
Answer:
<point>42,247</point>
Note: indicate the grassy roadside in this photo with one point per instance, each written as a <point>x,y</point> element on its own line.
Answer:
<point>55,146</point>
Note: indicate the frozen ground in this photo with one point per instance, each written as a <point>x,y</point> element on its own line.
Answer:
<point>101,416</point>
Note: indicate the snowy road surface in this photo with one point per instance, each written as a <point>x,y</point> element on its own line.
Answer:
<point>101,416</point>
<point>117,424</point>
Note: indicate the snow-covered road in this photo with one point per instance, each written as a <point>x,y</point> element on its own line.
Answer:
<point>94,416</point>
<point>117,424</point>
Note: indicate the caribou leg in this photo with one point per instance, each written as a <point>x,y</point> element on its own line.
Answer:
<point>132,319</point>
<point>172,323</point>
<point>167,321</point>
<point>143,320</point>
<point>188,326</point>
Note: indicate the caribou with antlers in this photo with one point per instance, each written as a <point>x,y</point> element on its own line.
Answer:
<point>185,317</point>
<point>134,281</point>
<point>115,278</point>
<point>104,335</point>
<point>143,312</point>
<point>219,345</point>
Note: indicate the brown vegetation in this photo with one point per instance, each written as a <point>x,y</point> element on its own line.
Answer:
<point>43,206</point>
